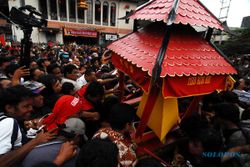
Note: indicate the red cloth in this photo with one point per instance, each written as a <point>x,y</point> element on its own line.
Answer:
<point>2,39</point>
<point>65,107</point>
<point>86,105</point>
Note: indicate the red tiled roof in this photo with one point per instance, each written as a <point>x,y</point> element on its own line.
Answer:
<point>187,53</point>
<point>190,12</point>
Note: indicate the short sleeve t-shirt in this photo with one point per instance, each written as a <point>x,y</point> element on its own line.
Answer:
<point>6,126</point>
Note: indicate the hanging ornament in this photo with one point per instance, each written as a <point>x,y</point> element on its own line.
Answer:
<point>82,4</point>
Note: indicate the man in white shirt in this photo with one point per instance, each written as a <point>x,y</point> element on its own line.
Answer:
<point>87,77</point>
<point>71,73</point>
<point>16,106</point>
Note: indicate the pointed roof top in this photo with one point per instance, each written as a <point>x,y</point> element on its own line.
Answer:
<point>191,12</point>
<point>187,53</point>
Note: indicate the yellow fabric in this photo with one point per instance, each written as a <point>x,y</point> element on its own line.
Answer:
<point>229,83</point>
<point>164,115</point>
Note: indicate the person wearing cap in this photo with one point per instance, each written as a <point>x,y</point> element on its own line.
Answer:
<point>64,57</point>
<point>39,109</point>
<point>120,119</point>
<point>72,130</point>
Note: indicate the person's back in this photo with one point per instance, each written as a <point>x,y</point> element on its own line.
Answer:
<point>73,129</point>
<point>46,152</point>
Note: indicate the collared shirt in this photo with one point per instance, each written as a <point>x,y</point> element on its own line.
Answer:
<point>76,85</point>
<point>127,156</point>
<point>82,81</point>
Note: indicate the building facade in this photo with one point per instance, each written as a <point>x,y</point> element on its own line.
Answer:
<point>67,22</point>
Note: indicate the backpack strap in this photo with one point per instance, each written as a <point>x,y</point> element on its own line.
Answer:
<point>14,134</point>
<point>2,117</point>
<point>14,131</point>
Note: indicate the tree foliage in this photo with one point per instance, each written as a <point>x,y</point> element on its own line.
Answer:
<point>238,44</point>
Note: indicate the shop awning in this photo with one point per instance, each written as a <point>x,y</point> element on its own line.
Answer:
<point>191,12</point>
<point>80,32</point>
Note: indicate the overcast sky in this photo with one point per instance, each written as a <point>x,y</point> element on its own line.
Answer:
<point>238,9</point>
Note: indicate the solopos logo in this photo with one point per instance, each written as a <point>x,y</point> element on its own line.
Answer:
<point>220,154</point>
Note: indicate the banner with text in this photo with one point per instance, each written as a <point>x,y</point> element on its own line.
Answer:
<point>79,32</point>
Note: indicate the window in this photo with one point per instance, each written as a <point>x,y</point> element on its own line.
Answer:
<point>113,14</point>
<point>90,12</point>
<point>105,13</point>
<point>43,8</point>
<point>62,10</point>
<point>72,10</point>
<point>98,12</point>
<point>53,10</point>
<point>81,14</point>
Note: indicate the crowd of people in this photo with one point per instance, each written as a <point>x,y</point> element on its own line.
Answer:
<point>65,109</point>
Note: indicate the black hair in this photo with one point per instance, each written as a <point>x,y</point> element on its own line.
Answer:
<point>194,123</point>
<point>210,100</point>
<point>229,97</point>
<point>89,71</point>
<point>10,69</point>
<point>67,87</point>
<point>1,86</point>
<point>120,115</point>
<point>13,96</point>
<point>94,89</point>
<point>108,103</point>
<point>68,69</point>
<point>211,139</point>
<point>148,162</point>
<point>227,111</point>
<point>32,72</point>
<point>40,62</point>
<point>48,81</point>
<point>246,114</point>
<point>237,84</point>
<point>51,67</point>
<point>94,59</point>
<point>45,164</point>
<point>98,153</point>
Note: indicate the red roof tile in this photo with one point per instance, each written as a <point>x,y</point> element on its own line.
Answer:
<point>187,53</point>
<point>190,12</point>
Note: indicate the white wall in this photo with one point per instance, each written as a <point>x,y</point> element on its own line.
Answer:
<point>122,12</point>
<point>41,36</point>
<point>59,37</point>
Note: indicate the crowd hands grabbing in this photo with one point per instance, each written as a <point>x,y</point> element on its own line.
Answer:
<point>66,109</point>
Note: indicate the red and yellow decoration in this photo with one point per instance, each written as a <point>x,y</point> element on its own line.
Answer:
<point>191,66</point>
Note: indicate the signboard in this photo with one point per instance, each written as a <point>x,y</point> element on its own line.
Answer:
<point>78,32</point>
<point>111,37</point>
